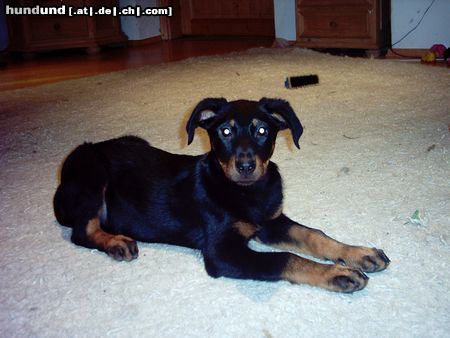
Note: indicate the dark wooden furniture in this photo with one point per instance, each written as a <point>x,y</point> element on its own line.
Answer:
<point>32,33</point>
<point>361,24</point>
<point>227,17</point>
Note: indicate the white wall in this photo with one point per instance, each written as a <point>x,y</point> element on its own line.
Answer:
<point>434,28</point>
<point>285,19</point>
<point>143,27</point>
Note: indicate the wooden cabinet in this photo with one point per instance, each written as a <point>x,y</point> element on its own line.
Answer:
<point>30,33</point>
<point>361,24</point>
<point>227,17</point>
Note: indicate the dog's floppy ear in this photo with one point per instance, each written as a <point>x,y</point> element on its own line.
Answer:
<point>203,114</point>
<point>282,112</point>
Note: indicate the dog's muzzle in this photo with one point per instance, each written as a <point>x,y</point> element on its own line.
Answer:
<point>244,168</point>
<point>246,164</point>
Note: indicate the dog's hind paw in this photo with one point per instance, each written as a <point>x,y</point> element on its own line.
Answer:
<point>122,248</point>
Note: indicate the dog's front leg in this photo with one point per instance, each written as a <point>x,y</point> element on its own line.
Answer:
<point>284,233</point>
<point>227,254</point>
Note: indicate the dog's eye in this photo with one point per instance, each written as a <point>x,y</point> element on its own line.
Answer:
<point>262,131</point>
<point>226,132</point>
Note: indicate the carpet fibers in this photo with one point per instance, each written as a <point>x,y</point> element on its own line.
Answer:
<point>375,149</point>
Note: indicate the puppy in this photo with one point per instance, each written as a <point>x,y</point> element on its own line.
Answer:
<point>120,191</point>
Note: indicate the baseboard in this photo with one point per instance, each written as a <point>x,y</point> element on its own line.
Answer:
<point>408,52</point>
<point>282,43</point>
<point>144,42</point>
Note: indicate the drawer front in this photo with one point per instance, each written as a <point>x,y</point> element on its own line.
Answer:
<point>343,23</point>
<point>57,27</point>
<point>329,24</point>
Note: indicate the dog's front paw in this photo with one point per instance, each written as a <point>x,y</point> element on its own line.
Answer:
<point>366,259</point>
<point>345,279</point>
<point>122,248</point>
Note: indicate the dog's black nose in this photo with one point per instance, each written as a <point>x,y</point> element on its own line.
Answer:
<point>246,166</point>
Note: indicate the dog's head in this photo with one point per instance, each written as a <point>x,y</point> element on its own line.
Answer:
<point>242,133</point>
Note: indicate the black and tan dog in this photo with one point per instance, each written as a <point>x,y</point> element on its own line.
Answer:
<point>118,191</point>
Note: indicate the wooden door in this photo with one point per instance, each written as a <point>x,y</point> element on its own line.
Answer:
<point>227,17</point>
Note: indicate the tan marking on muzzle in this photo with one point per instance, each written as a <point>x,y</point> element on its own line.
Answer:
<point>231,172</point>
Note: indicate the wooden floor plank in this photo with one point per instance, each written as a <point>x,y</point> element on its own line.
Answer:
<point>65,65</point>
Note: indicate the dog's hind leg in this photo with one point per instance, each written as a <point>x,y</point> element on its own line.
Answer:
<point>88,232</point>
<point>79,203</point>
<point>119,247</point>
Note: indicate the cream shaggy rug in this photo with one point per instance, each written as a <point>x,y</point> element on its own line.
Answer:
<point>375,149</point>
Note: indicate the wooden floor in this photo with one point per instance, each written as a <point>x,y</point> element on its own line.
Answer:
<point>72,64</point>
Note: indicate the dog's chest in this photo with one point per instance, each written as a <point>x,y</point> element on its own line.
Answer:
<point>253,206</point>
